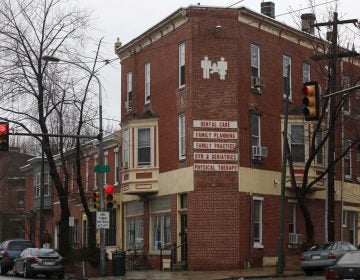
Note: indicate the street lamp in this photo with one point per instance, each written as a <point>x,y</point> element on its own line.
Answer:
<point>49,58</point>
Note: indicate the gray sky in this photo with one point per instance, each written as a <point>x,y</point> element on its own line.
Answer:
<point>126,19</point>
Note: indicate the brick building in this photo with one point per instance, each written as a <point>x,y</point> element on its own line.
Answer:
<point>202,117</point>
<point>78,220</point>
<point>12,194</point>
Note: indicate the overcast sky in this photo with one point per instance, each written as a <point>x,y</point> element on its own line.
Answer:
<point>126,19</point>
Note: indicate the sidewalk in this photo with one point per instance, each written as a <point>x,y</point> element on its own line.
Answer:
<point>260,272</point>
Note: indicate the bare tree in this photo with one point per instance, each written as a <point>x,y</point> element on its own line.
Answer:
<point>28,31</point>
<point>321,130</point>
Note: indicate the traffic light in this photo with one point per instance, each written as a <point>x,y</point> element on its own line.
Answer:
<point>311,101</point>
<point>109,196</point>
<point>96,200</point>
<point>4,136</point>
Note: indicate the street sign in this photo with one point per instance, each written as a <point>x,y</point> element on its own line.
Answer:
<point>102,168</point>
<point>102,219</point>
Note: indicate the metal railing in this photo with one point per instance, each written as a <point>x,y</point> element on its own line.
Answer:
<point>173,254</point>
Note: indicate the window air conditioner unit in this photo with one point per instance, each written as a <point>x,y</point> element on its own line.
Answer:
<point>295,238</point>
<point>128,106</point>
<point>292,237</point>
<point>258,151</point>
<point>257,82</point>
<point>126,164</point>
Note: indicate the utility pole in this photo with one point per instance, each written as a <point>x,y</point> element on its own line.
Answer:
<point>281,263</point>
<point>333,55</point>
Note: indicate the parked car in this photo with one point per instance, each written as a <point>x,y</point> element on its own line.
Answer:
<point>34,261</point>
<point>9,250</point>
<point>347,267</point>
<point>320,257</point>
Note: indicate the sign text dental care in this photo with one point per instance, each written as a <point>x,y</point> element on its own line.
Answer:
<point>213,135</point>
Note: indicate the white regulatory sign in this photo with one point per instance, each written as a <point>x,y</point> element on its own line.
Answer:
<point>102,219</point>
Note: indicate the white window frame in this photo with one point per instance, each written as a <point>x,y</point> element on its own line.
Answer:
<point>37,184</point>
<point>259,242</point>
<point>182,139</point>
<point>95,173</point>
<point>126,149</point>
<point>160,213</point>
<point>345,82</point>
<point>128,86</point>
<point>292,218</point>
<point>286,62</point>
<point>149,146</point>
<point>116,166</point>
<point>147,82</point>
<point>182,68</point>
<point>134,217</point>
<point>106,161</point>
<point>255,61</point>
<point>299,143</point>
<point>306,72</point>
<point>257,136</point>
<point>347,157</point>
<point>87,173</point>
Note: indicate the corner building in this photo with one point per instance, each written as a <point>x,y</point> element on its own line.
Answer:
<point>202,115</point>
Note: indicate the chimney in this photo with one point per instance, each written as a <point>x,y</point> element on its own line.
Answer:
<point>306,21</point>
<point>268,9</point>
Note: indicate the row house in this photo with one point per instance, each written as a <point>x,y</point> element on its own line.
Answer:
<point>203,98</point>
<point>51,211</point>
<point>12,193</point>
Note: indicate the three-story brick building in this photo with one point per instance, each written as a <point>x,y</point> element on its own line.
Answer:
<point>203,97</point>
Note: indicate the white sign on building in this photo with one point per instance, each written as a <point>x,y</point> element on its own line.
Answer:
<point>209,67</point>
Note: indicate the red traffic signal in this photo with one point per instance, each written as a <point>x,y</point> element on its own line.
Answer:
<point>4,136</point>
<point>109,196</point>
<point>109,189</point>
<point>311,101</point>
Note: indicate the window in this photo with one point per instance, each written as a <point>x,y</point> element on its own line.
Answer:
<point>37,184</point>
<point>358,162</point>
<point>347,160</point>
<point>129,86</point>
<point>292,217</point>
<point>110,237</point>
<point>116,166</point>
<point>297,143</point>
<point>95,173</point>
<point>287,76</point>
<point>73,233</point>
<point>134,225</point>
<point>160,223</point>
<point>144,148</point>
<point>106,161</point>
<point>72,178</point>
<point>257,222</point>
<point>20,194</point>
<point>345,82</point>
<point>125,149</point>
<point>255,130</point>
<point>87,174</point>
<point>181,65</point>
<point>255,63</point>
<point>352,227</point>
<point>306,73</point>
<point>147,82</point>
<point>182,136</point>
<point>320,153</point>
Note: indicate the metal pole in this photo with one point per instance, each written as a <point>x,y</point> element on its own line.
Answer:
<point>101,155</point>
<point>280,262</point>
<point>42,187</point>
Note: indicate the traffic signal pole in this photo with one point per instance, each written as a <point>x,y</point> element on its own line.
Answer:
<point>332,56</point>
